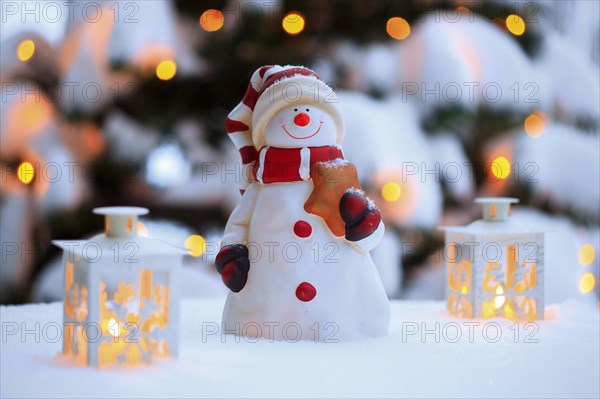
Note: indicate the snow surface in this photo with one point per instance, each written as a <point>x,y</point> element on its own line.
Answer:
<point>563,362</point>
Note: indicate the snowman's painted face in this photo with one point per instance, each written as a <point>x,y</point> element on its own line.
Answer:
<point>300,125</point>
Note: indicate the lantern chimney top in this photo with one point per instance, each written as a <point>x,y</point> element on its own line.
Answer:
<point>121,221</point>
<point>496,209</point>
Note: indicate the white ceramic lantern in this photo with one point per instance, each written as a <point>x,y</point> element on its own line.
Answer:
<point>121,298</point>
<point>495,266</point>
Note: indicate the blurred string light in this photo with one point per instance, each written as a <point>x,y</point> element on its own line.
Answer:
<point>515,24</point>
<point>500,167</point>
<point>167,166</point>
<point>212,20</point>
<point>196,245</point>
<point>587,254</point>
<point>535,124</point>
<point>25,172</point>
<point>25,50</point>
<point>31,115</point>
<point>391,191</point>
<point>166,69</point>
<point>587,283</point>
<point>398,28</point>
<point>293,23</point>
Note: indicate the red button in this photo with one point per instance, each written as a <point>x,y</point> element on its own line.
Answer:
<point>302,229</point>
<point>306,292</point>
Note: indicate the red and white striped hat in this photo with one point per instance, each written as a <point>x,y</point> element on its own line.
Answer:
<point>272,88</point>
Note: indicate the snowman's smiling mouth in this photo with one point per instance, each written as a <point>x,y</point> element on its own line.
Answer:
<point>305,137</point>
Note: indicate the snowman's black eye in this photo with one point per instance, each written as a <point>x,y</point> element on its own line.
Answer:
<point>295,109</point>
<point>307,110</point>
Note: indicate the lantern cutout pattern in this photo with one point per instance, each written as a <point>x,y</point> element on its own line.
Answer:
<point>495,266</point>
<point>121,299</point>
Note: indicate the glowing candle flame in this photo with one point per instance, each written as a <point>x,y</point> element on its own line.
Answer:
<point>113,327</point>
<point>500,298</point>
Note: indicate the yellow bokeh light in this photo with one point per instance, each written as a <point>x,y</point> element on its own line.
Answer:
<point>293,23</point>
<point>196,245</point>
<point>535,124</point>
<point>166,69</point>
<point>587,283</point>
<point>212,20</point>
<point>398,28</point>
<point>25,50</point>
<point>464,289</point>
<point>142,230</point>
<point>587,254</point>
<point>391,191</point>
<point>515,24</point>
<point>25,172</point>
<point>501,167</point>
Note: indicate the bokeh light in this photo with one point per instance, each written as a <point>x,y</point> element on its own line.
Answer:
<point>166,70</point>
<point>167,166</point>
<point>398,28</point>
<point>515,24</point>
<point>196,245</point>
<point>391,191</point>
<point>587,254</point>
<point>535,124</point>
<point>31,115</point>
<point>212,20</point>
<point>293,23</point>
<point>25,172</point>
<point>25,50</point>
<point>587,283</point>
<point>500,167</point>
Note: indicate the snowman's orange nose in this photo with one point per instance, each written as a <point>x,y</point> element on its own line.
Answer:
<point>302,119</point>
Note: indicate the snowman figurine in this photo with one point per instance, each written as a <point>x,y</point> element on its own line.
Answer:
<point>295,252</point>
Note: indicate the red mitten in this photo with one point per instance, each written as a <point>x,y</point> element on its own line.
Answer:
<point>233,265</point>
<point>359,214</point>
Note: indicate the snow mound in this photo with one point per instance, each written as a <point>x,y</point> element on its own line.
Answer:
<point>551,358</point>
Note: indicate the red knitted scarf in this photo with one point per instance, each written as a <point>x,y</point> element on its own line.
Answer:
<point>281,165</point>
